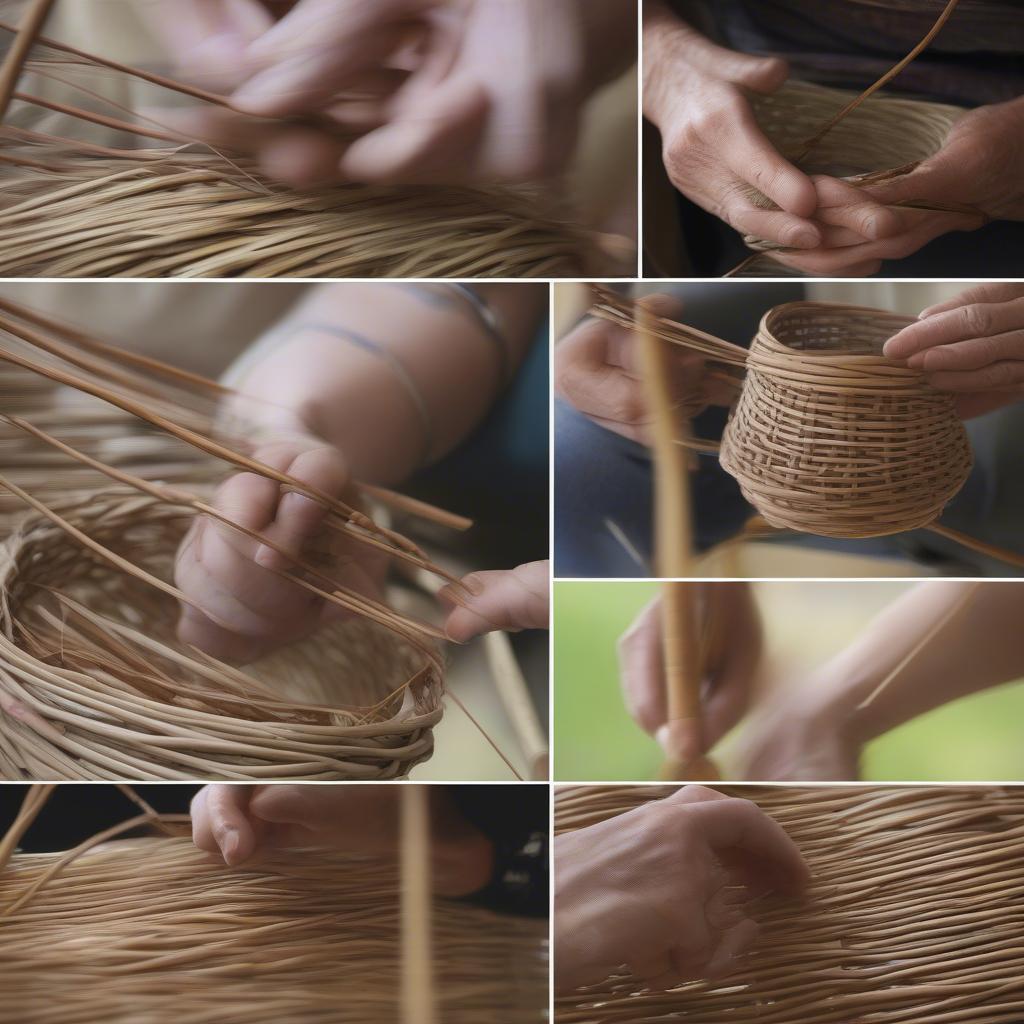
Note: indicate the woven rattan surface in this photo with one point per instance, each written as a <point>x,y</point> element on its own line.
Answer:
<point>151,931</point>
<point>915,913</point>
<point>831,438</point>
<point>89,650</point>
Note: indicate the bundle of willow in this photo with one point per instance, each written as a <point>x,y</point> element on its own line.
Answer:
<point>827,436</point>
<point>915,913</point>
<point>153,930</point>
<point>83,207</point>
<point>93,682</point>
<point>881,138</point>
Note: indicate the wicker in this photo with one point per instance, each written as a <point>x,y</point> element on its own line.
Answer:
<point>828,436</point>
<point>152,931</point>
<point>82,207</point>
<point>883,137</point>
<point>93,683</point>
<point>915,913</point>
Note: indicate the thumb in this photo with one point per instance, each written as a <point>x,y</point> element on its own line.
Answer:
<point>506,599</point>
<point>759,74</point>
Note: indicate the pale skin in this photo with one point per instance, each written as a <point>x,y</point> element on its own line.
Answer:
<point>400,91</point>
<point>329,412</point>
<point>816,730</point>
<point>694,94</point>
<point>665,889</point>
<point>242,824</point>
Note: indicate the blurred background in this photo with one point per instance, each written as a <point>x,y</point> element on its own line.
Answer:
<point>805,623</point>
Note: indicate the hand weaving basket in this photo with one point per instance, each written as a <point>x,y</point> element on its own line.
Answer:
<point>152,930</point>
<point>883,137</point>
<point>827,436</point>
<point>93,683</point>
<point>110,192</point>
<point>88,651</point>
<point>915,913</point>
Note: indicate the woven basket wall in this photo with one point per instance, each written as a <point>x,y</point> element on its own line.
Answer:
<point>915,913</point>
<point>152,931</point>
<point>831,438</point>
<point>883,134</point>
<point>114,695</point>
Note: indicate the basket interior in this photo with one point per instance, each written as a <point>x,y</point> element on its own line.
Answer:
<point>833,333</point>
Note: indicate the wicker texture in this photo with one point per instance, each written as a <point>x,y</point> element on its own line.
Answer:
<point>151,931</point>
<point>883,137</point>
<point>915,913</point>
<point>827,436</point>
<point>91,651</point>
<point>831,438</point>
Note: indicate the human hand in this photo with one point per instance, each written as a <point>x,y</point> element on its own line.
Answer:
<point>241,607</point>
<point>980,166</point>
<point>655,888</point>
<point>236,823</point>
<point>598,372</point>
<point>716,154</point>
<point>972,345</point>
<point>512,600</point>
<point>732,651</point>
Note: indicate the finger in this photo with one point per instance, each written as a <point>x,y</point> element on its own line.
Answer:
<point>298,518</point>
<point>301,157</point>
<point>734,943</point>
<point>510,600</point>
<point>1004,291</point>
<point>973,354</point>
<point>642,669</point>
<point>1006,375</point>
<point>762,74</point>
<point>435,141</point>
<point>772,225</point>
<point>221,824</point>
<point>695,795</point>
<point>658,973</point>
<point>975,321</point>
<point>741,828</point>
<point>752,158</point>
<point>315,50</point>
<point>840,204</point>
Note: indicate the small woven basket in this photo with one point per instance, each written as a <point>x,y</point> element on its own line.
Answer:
<point>95,685</point>
<point>883,137</point>
<point>831,438</point>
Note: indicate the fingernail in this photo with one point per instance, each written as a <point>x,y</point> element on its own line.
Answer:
<point>473,584</point>
<point>269,558</point>
<point>805,238</point>
<point>229,847</point>
<point>266,87</point>
<point>679,741</point>
<point>293,503</point>
<point>917,360</point>
<point>223,48</point>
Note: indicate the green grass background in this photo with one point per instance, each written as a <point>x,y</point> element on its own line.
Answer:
<point>975,739</point>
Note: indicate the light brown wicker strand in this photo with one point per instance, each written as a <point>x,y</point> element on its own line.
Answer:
<point>419,1005</point>
<point>26,35</point>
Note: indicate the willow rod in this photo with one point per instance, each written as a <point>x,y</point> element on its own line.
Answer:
<point>27,34</point>
<point>419,1001</point>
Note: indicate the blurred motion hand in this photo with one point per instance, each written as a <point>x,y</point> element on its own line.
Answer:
<point>714,150</point>
<point>655,889</point>
<point>237,823</point>
<point>247,609</point>
<point>483,92</point>
<point>597,371</point>
<point>972,345</point>
<point>512,600</point>
<point>731,668</point>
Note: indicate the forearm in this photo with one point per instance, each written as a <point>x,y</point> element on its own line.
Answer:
<point>395,376</point>
<point>979,647</point>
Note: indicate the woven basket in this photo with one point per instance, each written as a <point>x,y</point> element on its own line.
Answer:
<point>89,650</point>
<point>831,438</point>
<point>882,137</point>
<point>152,931</point>
<point>915,913</point>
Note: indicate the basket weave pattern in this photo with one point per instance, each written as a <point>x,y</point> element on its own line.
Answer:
<point>91,651</point>
<point>830,438</point>
<point>915,913</point>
